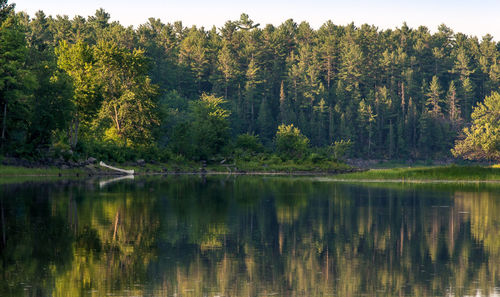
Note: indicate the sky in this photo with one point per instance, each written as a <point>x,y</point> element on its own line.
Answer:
<point>471,17</point>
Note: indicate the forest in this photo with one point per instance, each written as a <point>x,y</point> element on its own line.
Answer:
<point>161,91</point>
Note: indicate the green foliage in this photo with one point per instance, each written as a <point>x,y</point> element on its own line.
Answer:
<point>445,173</point>
<point>128,95</point>
<point>16,83</point>
<point>95,81</point>
<point>210,127</point>
<point>481,141</point>
<point>341,148</point>
<point>52,107</point>
<point>434,98</point>
<point>78,62</point>
<point>249,143</point>
<point>290,143</point>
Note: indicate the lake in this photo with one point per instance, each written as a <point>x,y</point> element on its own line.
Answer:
<point>248,236</point>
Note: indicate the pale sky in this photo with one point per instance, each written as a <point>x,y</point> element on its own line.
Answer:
<point>472,17</point>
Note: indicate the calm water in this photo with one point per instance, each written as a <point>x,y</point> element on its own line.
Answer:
<point>248,236</point>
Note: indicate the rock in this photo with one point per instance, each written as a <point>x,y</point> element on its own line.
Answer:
<point>141,162</point>
<point>7,161</point>
<point>91,168</point>
<point>91,160</point>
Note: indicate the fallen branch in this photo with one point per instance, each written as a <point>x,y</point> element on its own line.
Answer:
<point>129,172</point>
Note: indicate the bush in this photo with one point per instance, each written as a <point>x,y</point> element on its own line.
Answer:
<point>316,158</point>
<point>340,148</point>
<point>249,143</point>
<point>275,160</point>
<point>290,143</point>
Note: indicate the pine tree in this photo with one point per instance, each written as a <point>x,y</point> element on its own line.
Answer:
<point>228,66</point>
<point>468,99</point>
<point>320,123</point>
<point>452,105</point>
<point>251,96</point>
<point>366,124</point>
<point>434,98</point>
<point>265,121</point>
<point>412,126</point>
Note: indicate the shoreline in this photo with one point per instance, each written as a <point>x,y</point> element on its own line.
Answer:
<point>439,174</point>
<point>84,173</point>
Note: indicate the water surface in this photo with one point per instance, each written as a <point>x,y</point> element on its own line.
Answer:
<point>248,236</point>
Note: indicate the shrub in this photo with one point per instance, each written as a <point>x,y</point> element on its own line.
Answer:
<point>340,148</point>
<point>290,143</point>
<point>249,143</point>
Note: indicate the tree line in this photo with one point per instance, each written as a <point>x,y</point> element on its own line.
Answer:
<point>92,85</point>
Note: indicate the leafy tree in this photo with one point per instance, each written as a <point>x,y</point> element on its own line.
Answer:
<point>249,143</point>
<point>5,9</point>
<point>128,94</point>
<point>210,127</point>
<point>52,107</point>
<point>290,143</point>
<point>78,62</point>
<point>481,141</point>
<point>16,82</point>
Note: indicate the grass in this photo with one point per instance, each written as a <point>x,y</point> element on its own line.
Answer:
<point>25,171</point>
<point>324,166</point>
<point>275,165</point>
<point>452,173</point>
<point>262,166</point>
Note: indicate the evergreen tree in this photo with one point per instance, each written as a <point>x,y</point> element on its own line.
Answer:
<point>452,105</point>
<point>265,121</point>
<point>434,98</point>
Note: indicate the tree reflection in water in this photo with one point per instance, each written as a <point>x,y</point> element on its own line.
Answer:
<point>248,236</point>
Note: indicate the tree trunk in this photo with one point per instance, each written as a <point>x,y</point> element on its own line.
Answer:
<point>116,224</point>
<point>70,141</point>
<point>4,241</point>
<point>115,118</point>
<point>75,133</point>
<point>4,125</point>
<point>329,73</point>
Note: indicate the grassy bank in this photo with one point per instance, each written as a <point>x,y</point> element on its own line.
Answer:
<point>272,166</point>
<point>445,173</point>
<point>38,171</point>
<point>452,173</point>
<point>246,166</point>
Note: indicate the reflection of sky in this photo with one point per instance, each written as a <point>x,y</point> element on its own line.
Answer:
<point>470,17</point>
